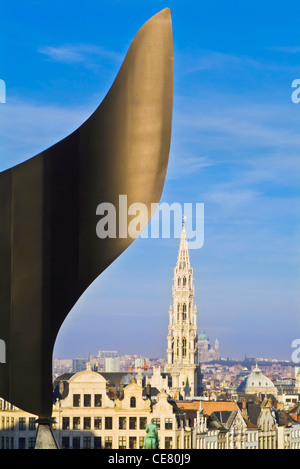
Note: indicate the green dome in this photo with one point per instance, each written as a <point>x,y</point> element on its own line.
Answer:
<point>203,336</point>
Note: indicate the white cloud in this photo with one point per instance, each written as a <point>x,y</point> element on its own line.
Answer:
<point>85,54</point>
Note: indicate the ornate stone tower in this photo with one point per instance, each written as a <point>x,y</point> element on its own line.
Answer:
<point>182,351</point>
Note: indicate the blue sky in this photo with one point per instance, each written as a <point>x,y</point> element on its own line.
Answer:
<point>235,147</point>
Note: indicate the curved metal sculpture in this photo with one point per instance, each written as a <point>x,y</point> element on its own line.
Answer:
<point>49,250</point>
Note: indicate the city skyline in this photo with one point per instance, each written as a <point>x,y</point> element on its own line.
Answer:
<point>235,148</point>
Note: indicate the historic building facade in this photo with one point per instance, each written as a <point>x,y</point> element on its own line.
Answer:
<point>182,349</point>
<point>220,425</point>
<point>87,418</point>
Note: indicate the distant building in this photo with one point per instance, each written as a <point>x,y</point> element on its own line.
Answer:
<point>206,352</point>
<point>79,364</point>
<point>257,383</point>
<point>112,364</point>
<point>297,382</point>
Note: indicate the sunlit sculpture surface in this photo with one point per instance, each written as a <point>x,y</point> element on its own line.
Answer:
<point>49,250</point>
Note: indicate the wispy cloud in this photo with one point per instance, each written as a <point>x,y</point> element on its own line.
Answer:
<point>184,164</point>
<point>85,54</point>
<point>194,61</point>
<point>209,60</point>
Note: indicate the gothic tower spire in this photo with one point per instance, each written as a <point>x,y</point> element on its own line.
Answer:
<point>182,351</point>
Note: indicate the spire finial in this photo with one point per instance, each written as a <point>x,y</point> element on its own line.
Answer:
<point>183,221</point>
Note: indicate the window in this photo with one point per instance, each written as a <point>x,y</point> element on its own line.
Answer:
<point>132,423</point>
<point>87,423</point>
<point>98,400</point>
<point>76,442</point>
<point>76,423</point>
<point>108,423</point>
<point>87,442</point>
<point>132,442</point>
<point>76,400</point>
<point>122,442</point>
<point>66,423</point>
<point>143,423</point>
<point>184,312</point>
<point>32,421</point>
<point>168,442</point>
<point>157,423</point>
<point>108,442</point>
<point>132,402</point>
<point>122,423</point>
<point>31,443</point>
<point>168,424</point>
<point>184,281</point>
<point>87,400</point>
<point>65,442</point>
<point>141,442</point>
<point>97,442</point>
<point>184,347</point>
<point>97,423</point>
<point>22,443</point>
<point>22,424</point>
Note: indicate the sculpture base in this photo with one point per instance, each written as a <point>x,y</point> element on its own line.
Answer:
<point>45,438</point>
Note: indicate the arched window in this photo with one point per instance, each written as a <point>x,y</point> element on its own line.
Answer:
<point>178,282</point>
<point>132,401</point>
<point>184,281</point>
<point>184,312</point>
<point>184,347</point>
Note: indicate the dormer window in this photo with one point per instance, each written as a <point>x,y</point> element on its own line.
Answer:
<point>132,401</point>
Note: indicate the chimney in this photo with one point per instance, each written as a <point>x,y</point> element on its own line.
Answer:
<point>244,408</point>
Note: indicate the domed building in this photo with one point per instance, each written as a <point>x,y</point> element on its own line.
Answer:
<point>206,352</point>
<point>257,383</point>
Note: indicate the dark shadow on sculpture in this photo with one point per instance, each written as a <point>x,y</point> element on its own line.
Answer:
<point>49,250</point>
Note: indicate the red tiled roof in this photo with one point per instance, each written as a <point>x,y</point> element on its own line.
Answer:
<point>208,406</point>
